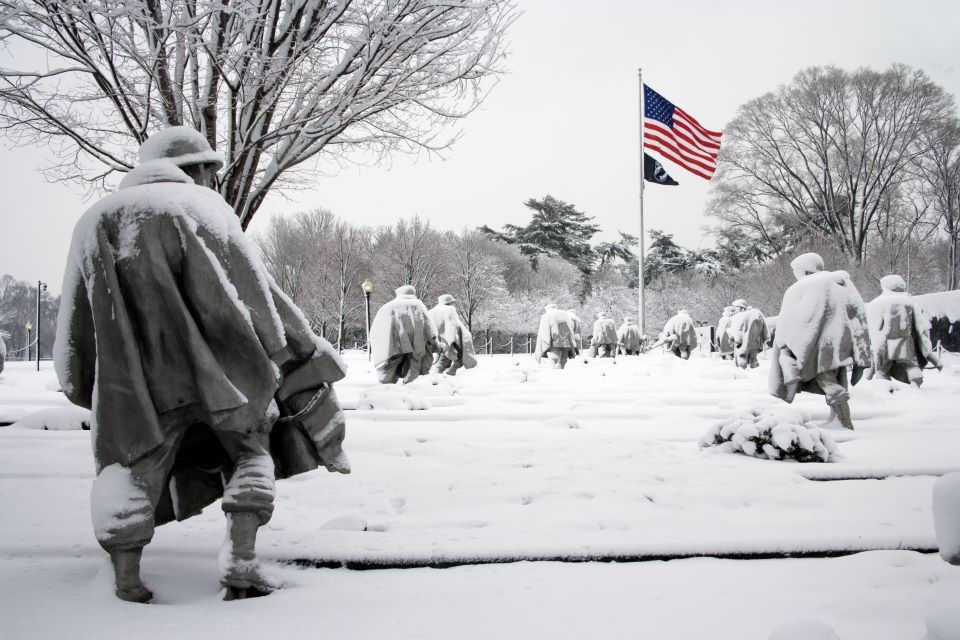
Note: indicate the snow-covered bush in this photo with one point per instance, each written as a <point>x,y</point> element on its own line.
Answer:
<point>774,434</point>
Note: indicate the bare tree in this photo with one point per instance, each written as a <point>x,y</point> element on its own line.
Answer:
<point>272,83</point>
<point>941,173</point>
<point>345,262</point>
<point>826,152</point>
<point>477,273</point>
<point>291,249</point>
<point>411,252</point>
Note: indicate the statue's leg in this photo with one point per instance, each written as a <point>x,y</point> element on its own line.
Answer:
<point>248,504</point>
<point>914,374</point>
<point>455,366</point>
<point>833,384</point>
<point>554,356</point>
<point>122,504</point>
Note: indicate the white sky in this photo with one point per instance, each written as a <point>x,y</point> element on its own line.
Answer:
<point>565,120</point>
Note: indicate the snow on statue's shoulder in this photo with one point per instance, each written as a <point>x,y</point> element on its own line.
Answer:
<point>943,304</point>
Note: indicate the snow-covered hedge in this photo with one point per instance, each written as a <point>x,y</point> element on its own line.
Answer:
<point>773,434</point>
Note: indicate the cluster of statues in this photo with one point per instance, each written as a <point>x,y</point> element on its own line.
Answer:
<point>826,338</point>
<point>742,333</point>
<point>559,337</point>
<point>205,381</point>
<point>407,340</point>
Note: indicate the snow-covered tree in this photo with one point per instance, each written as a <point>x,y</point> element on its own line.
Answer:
<point>477,275</point>
<point>557,229</point>
<point>275,85</point>
<point>410,252</point>
<point>823,155</point>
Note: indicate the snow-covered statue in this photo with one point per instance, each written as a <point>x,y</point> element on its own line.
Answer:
<point>577,331</point>
<point>628,337</point>
<point>556,338</point>
<point>723,338</point>
<point>899,334</point>
<point>821,338</point>
<point>680,334</point>
<point>403,338</point>
<point>604,338</point>
<point>456,343</point>
<point>747,333</point>
<point>173,333</point>
<point>3,352</point>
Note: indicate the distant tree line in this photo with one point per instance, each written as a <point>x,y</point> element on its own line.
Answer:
<point>18,306</point>
<point>867,162</point>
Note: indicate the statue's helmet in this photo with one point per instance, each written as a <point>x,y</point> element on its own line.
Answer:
<point>739,303</point>
<point>550,307</point>
<point>893,283</point>
<point>406,291</point>
<point>180,145</point>
<point>446,299</point>
<point>806,264</point>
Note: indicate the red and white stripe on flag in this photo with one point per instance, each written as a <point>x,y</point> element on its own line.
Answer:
<point>687,143</point>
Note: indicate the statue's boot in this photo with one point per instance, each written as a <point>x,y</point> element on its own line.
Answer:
<point>126,571</point>
<point>839,416</point>
<point>241,574</point>
<point>843,412</point>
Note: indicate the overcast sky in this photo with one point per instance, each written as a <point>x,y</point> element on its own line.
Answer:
<point>564,121</point>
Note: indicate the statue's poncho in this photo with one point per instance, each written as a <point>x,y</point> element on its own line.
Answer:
<point>403,339</point>
<point>168,317</point>
<point>747,331</point>
<point>822,326</point>
<point>604,331</point>
<point>556,332</point>
<point>680,333</point>
<point>899,334</point>
<point>628,336</point>
<point>453,335</point>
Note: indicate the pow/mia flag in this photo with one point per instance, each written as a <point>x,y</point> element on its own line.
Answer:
<point>653,171</point>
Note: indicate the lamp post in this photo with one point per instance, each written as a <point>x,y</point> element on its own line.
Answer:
<point>41,286</point>
<point>367,290</point>
<point>29,328</point>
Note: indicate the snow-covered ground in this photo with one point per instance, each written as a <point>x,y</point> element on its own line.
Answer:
<point>512,461</point>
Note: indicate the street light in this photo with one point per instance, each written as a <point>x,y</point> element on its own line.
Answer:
<point>29,328</point>
<point>367,287</point>
<point>41,286</point>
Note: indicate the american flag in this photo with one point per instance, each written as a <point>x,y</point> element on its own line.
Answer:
<point>677,136</point>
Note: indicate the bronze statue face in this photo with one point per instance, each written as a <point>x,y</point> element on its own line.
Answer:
<point>203,174</point>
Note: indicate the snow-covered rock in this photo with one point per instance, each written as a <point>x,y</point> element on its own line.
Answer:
<point>393,398</point>
<point>345,523</point>
<point>946,516</point>
<point>943,622</point>
<point>809,629</point>
<point>57,419</point>
<point>773,433</point>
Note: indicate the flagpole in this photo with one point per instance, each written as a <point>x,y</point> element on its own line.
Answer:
<point>641,320</point>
